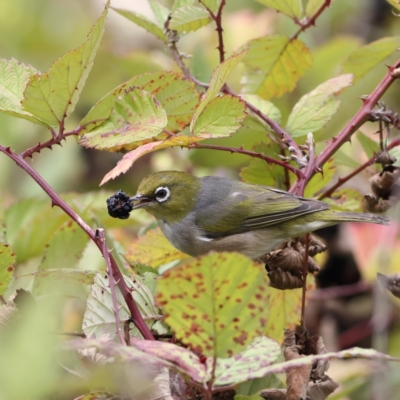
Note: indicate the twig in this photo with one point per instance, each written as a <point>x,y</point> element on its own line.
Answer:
<point>218,21</point>
<point>55,140</point>
<point>304,291</point>
<point>359,119</point>
<point>310,21</point>
<point>111,282</point>
<point>362,115</point>
<point>253,154</point>
<point>299,189</point>
<point>341,181</point>
<point>56,200</point>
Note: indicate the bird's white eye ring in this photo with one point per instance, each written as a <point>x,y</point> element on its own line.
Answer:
<point>162,194</point>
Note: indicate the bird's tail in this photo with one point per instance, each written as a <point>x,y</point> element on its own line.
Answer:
<point>344,216</point>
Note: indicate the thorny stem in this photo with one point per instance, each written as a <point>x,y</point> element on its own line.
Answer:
<point>359,119</point>
<point>253,154</point>
<point>58,201</point>
<point>304,291</point>
<point>218,21</point>
<point>299,189</point>
<point>352,126</point>
<point>343,180</point>
<point>111,282</point>
<point>311,21</point>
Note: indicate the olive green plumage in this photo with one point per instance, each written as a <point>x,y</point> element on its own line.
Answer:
<point>213,213</point>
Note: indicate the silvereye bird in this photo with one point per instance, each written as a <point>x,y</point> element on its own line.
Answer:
<point>213,213</point>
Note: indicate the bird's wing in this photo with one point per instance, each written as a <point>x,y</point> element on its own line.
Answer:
<point>247,207</point>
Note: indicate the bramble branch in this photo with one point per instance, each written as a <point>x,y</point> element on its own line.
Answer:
<point>218,21</point>
<point>253,154</point>
<point>106,254</point>
<point>56,200</point>
<point>311,21</point>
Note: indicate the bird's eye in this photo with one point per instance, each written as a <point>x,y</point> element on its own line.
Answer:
<point>162,194</point>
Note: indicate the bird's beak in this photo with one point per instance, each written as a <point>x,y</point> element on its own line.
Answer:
<point>141,201</point>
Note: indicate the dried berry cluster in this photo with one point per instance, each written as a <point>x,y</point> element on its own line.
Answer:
<point>285,265</point>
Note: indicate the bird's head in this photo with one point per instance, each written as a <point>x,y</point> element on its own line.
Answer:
<point>168,195</point>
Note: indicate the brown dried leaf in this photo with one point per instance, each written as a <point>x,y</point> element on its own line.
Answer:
<point>382,183</point>
<point>322,366</point>
<point>284,280</point>
<point>274,394</point>
<point>297,378</point>
<point>322,389</point>
<point>390,282</point>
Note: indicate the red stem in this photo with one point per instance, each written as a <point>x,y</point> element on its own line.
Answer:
<point>305,272</point>
<point>310,21</point>
<point>58,201</point>
<point>253,154</point>
<point>352,126</point>
<point>111,282</point>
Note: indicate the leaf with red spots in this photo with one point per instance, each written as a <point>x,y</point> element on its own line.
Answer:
<point>7,260</point>
<point>213,303</point>
<point>176,94</point>
<point>260,353</point>
<point>136,118</point>
<point>153,249</point>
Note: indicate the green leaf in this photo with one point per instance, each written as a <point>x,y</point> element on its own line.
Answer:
<point>143,22</point>
<point>369,145</point>
<point>319,181</point>
<point>137,117</point>
<point>63,282</point>
<point>367,57</point>
<point>52,97</point>
<point>176,94</point>
<point>291,8</point>
<point>30,225</point>
<point>266,107</point>
<point>260,172</point>
<point>315,109</point>
<point>215,304</point>
<point>344,160</point>
<point>253,386</point>
<point>99,318</point>
<point>261,352</point>
<point>14,77</point>
<point>7,261</point>
<point>65,247</point>
<point>153,249</point>
<point>210,4</point>
<point>160,11</point>
<point>182,3</point>
<point>218,79</point>
<point>129,158</point>
<point>312,7</point>
<point>189,18</point>
<point>280,64</point>
<point>222,117</point>
<point>346,200</point>
<point>394,3</point>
